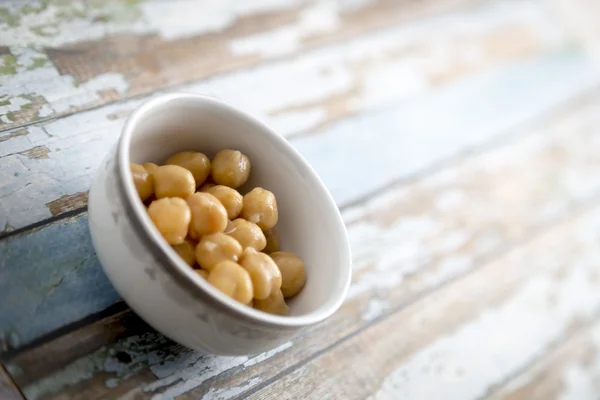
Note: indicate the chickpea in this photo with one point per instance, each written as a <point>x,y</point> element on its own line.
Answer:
<point>208,214</point>
<point>233,280</point>
<point>247,233</point>
<point>142,181</point>
<point>274,304</point>
<point>230,168</point>
<point>187,251</point>
<point>172,218</point>
<point>195,162</point>
<point>263,271</point>
<point>230,198</point>
<point>293,273</point>
<point>216,247</point>
<point>173,181</point>
<point>203,273</point>
<point>150,167</point>
<point>260,207</point>
<point>272,236</point>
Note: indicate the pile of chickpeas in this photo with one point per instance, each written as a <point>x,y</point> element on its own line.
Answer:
<point>228,238</point>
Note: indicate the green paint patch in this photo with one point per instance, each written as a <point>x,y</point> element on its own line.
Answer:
<point>45,30</point>
<point>9,18</point>
<point>4,102</point>
<point>35,9</point>
<point>11,116</point>
<point>9,65</point>
<point>38,62</point>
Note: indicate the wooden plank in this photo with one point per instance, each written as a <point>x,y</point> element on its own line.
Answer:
<point>571,371</point>
<point>462,340</point>
<point>42,289</point>
<point>392,97</point>
<point>406,241</point>
<point>64,56</point>
<point>8,390</point>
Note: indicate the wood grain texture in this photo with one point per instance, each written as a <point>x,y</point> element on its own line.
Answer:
<point>406,242</point>
<point>571,371</point>
<point>62,56</point>
<point>462,340</point>
<point>8,390</point>
<point>339,94</point>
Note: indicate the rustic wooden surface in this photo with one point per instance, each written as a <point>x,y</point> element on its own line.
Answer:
<point>461,140</point>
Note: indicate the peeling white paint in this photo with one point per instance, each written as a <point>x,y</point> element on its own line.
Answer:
<point>187,373</point>
<point>375,308</point>
<point>465,363</point>
<point>320,17</point>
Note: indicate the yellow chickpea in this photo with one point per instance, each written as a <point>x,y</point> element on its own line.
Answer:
<point>293,273</point>
<point>208,214</point>
<point>216,247</point>
<point>195,162</point>
<point>172,217</point>
<point>274,304</point>
<point>173,181</point>
<point>142,181</point>
<point>260,207</point>
<point>272,237</point>
<point>150,167</point>
<point>230,168</point>
<point>247,233</point>
<point>263,271</point>
<point>233,280</point>
<point>230,198</point>
<point>202,273</point>
<point>187,251</point>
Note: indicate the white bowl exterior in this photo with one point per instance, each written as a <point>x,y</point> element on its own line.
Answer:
<point>309,223</point>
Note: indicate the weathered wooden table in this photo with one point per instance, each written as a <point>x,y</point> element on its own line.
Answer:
<point>460,138</point>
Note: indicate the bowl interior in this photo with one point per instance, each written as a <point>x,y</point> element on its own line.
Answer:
<point>309,221</point>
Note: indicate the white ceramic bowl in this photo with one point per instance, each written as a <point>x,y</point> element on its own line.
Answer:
<point>165,291</point>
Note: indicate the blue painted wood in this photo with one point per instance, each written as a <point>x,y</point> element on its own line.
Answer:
<point>362,154</point>
<point>48,278</point>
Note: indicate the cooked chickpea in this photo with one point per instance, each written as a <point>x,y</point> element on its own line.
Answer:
<point>173,181</point>
<point>230,198</point>
<point>208,214</point>
<point>263,271</point>
<point>247,233</point>
<point>272,236</point>
<point>203,273</point>
<point>230,168</point>
<point>216,247</point>
<point>150,167</point>
<point>142,181</point>
<point>187,251</point>
<point>233,280</point>
<point>293,274</point>
<point>274,304</point>
<point>195,162</point>
<point>172,218</point>
<point>260,207</point>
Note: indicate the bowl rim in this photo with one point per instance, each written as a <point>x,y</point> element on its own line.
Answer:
<point>168,259</point>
